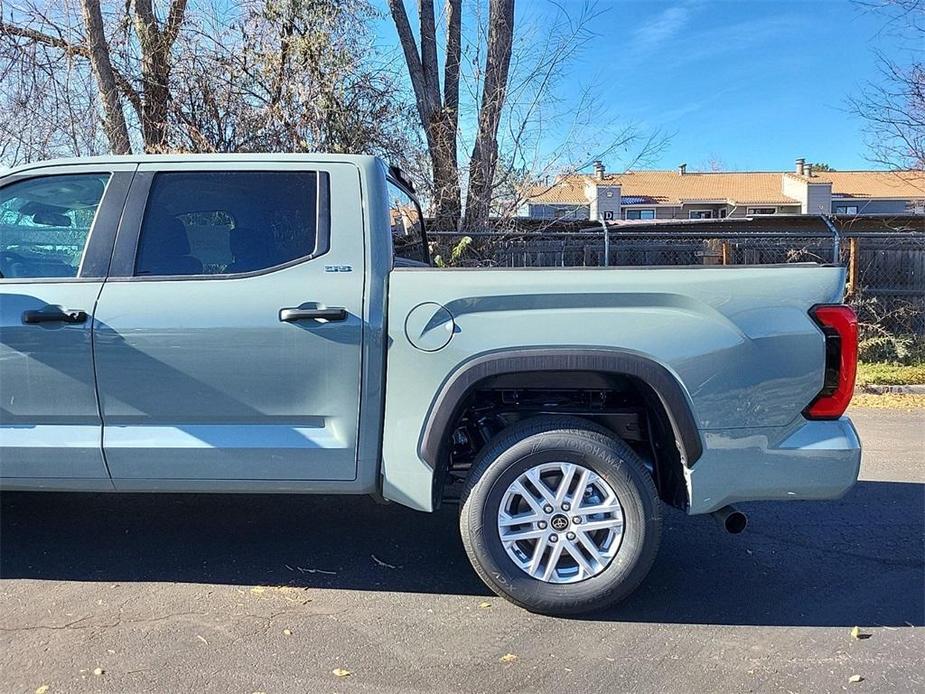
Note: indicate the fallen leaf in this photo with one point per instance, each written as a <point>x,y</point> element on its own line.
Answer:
<point>42,689</point>
<point>854,679</point>
<point>287,632</point>
<point>484,604</point>
<point>98,671</point>
<point>508,658</point>
<point>856,633</point>
<point>382,563</point>
<point>340,672</point>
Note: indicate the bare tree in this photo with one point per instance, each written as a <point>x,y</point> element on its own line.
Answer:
<point>98,51</point>
<point>893,111</point>
<point>294,76</point>
<point>893,107</point>
<point>484,158</point>
<point>46,112</point>
<point>714,163</point>
<point>147,92</point>
<point>259,75</point>
<point>155,41</point>
<point>439,114</point>
<point>548,133</point>
<point>525,131</point>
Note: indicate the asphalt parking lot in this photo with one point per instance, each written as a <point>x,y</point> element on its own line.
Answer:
<point>119,593</point>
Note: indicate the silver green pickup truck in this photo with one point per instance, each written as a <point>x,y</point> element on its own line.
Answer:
<point>272,323</point>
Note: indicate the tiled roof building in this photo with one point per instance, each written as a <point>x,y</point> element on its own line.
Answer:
<point>654,195</point>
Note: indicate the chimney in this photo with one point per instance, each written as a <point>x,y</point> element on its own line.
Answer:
<point>808,169</point>
<point>599,170</point>
<point>801,163</point>
<point>682,169</point>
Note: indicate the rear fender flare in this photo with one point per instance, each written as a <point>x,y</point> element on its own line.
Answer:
<point>446,405</point>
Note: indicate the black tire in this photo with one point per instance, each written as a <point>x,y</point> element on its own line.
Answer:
<point>569,439</point>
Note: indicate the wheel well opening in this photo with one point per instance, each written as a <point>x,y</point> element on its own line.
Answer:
<point>624,404</point>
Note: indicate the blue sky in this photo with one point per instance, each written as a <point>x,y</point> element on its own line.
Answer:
<point>750,83</point>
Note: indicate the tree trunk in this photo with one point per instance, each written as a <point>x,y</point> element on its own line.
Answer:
<point>100,62</point>
<point>439,117</point>
<point>156,63</point>
<point>484,159</point>
<point>154,80</point>
<point>442,146</point>
<point>453,13</point>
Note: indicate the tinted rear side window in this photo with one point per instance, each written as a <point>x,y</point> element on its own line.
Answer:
<point>205,223</point>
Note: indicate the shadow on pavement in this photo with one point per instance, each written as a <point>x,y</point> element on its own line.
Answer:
<point>858,560</point>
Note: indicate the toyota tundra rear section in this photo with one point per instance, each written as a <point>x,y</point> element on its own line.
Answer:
<point>731,383</point>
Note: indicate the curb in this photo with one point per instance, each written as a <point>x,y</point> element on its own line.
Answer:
<point>881,390</point>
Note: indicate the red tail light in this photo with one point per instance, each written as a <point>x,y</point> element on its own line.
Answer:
<point>839,324</point>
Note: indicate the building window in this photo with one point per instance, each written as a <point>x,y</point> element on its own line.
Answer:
<point>700,214</point>
<point>752,211</point>
<point>640,214</point>
<point>846,209</point>
<point>722,213</point>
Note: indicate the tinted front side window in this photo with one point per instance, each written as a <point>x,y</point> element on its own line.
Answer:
<point>45,223</point>
<point>204,223</point>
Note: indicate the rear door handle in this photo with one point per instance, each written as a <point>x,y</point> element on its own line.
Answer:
<point>290,315</point>
<point>55,314</point>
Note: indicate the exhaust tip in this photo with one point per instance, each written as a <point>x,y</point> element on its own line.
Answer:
<point>732,519</point>
<point>735,522</point>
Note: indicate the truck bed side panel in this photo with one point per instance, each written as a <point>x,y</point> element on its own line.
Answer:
<point>739,341</point>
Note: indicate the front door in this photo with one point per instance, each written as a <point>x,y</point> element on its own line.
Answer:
<point>56,230</point>
<point>228,339</point>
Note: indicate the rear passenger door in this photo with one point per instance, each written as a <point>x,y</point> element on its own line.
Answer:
<point>226,347</point>
<point>57,226</point>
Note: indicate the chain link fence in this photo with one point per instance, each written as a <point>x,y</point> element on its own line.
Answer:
<point>885,259</point>
<point>886,286</point>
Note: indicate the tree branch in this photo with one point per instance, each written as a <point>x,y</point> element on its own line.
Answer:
<point>71,49</point>
<point>451,65</point>
<point>429,49</point>
<point>413,60</point>
<point>174,21</point>
<point>101,63</point>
